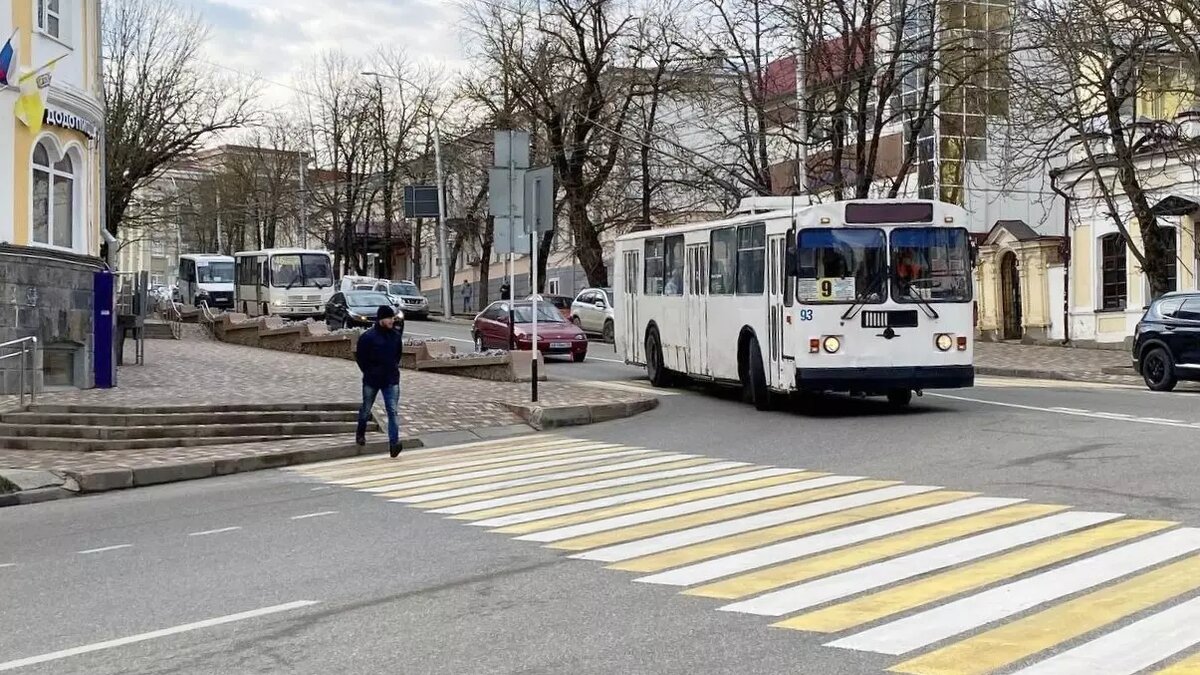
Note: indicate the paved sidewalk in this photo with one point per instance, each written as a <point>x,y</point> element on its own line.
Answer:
<point>1060,363</point>
<point>194,371</point>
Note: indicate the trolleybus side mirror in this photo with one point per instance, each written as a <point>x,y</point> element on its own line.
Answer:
<point>974,254</point>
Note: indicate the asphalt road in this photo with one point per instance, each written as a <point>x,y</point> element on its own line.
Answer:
<point>214,576</point>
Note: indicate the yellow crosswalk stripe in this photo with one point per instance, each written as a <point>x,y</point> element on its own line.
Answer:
<point>809,568</point>
<point>677,523</point>
<point>406,476</point>
<point>599,466</point>
<point>579,480</point>
<point>1016,640</point>
<point>1188,666</point>
<point>435,456</point>
<point>658,502</point>
<point>897,599</point>
<point>746,541</point>
<point>603,492</point>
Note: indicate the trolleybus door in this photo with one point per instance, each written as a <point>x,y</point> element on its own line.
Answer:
<point>776,247</point>
<point>626,311</point>
<point>697,300</point>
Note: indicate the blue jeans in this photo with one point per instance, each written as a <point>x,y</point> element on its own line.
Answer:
<point>391,394</point>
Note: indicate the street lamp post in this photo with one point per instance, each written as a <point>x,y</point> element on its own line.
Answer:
<point>446,270</point>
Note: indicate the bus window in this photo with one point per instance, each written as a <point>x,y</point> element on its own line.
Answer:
<point>301,269</point>
<point>654,267</point>
<point>673,263</point>
<point>722,261</point>
<point>841,265</point>
<point>931,264</point>
<point>212,273</point>
<point>751,255</point>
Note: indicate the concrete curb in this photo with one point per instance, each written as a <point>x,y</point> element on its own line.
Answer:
<point>1033,373</point>
<point>554,417</point>
<point>79,483</point>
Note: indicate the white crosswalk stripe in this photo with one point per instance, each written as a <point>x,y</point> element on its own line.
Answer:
<point>790,550</point>
<point>488,473</point>
<point>928,627</point>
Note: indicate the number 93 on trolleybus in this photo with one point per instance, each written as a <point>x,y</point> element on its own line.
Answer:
<point>870,297</point>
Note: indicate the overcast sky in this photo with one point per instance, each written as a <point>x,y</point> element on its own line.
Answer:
<point>276,39</point>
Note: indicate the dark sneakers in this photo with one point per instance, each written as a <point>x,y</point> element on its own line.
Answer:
<point>360,439</point>
<point>395,451</point>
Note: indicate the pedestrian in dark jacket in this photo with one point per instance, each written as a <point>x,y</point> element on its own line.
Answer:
<point>378,356</point>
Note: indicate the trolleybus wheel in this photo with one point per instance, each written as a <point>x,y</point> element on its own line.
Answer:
<point>899,398</point>
<point>655,370</point>
<point>756,383</point>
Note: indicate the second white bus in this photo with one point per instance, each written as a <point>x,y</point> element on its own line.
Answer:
<point>206,278</point>
<point>863,296</point>
<point>288,282</point>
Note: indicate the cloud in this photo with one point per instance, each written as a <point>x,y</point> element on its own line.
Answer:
<point>278,39</point>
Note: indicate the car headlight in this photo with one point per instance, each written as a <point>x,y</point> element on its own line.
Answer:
<point>944,342</point>
<point>832,344</point>
<point>280,302</point>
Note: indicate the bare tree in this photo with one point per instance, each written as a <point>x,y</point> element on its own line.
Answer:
<point>162,101</point>
<point>1099,82</point>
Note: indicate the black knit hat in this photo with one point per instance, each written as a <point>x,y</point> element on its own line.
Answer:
<point>385,312</point>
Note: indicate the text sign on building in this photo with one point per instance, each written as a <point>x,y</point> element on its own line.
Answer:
<point>61,118</point>
<point>420,201</point>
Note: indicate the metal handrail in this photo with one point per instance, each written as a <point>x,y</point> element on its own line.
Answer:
<point>28,349</point>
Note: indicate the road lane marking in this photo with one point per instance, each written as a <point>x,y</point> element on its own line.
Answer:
<point>617,500</point>
<point>205,533</point>
<point>165,632</point>
<point>486,461</point>
<point>898,599</point>
<point>380,482</point>
<point>429,456</point>
<point>102,549</point>
<point>678,472</point>
<point>1188,666</point>
<point>318,514</point>
<point>627,386</point>
<point>1116,417</point>
<point>855,581</point>
<point>1003,646</point>
<point>1130,649</point>
<point>566,527</point>
<point>486,487</point>
<point>8,565</point>
<point>830,562</point>
<point>694,553</point>
<point>527,469</point>
<point>758,516</point>
<point>741,563</point>
<point>955,618</point>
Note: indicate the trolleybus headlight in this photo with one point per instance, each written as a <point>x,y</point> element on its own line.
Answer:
<point>944,342</point>
<point>832,344</point>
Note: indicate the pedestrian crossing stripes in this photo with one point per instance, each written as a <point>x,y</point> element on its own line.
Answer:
<point>942,581</point>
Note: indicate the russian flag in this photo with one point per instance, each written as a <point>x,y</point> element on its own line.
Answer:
<point>8,61</point>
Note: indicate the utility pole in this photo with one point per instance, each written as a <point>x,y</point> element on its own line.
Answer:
<point>441,188</point>
<point>801,99</point>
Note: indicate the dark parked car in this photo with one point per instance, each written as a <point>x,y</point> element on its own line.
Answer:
<point>1166,342</point>
<point>555,334</point>
<point>355,308</point>
<point>561,302</point>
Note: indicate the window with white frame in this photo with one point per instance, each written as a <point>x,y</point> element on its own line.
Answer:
<point>50,17</point>
<point>54,197</point>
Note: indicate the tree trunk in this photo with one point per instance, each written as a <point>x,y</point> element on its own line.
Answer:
<point>487,241</point>
<point>587,242</point>
<point>544,245</point>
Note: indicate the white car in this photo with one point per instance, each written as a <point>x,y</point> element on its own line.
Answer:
<point>406,296</point>
<point>593,312</point>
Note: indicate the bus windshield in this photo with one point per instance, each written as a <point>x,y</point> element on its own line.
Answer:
<point>215,273</point>
<point>301,269</point>
<point>841,265</point>
<point>931,265</point>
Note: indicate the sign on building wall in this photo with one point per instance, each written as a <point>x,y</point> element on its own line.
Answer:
<point>63,119</point>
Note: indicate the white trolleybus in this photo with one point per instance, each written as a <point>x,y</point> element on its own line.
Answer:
<point>206,278</point>
<point>864,296</point>
<point>289,282</point>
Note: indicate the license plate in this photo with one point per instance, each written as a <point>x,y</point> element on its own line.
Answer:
<point>560,345</point>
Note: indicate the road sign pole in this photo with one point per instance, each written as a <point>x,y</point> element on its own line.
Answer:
<point>446,264</point>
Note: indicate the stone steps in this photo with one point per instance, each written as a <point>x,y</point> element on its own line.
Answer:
<point>87,428</point>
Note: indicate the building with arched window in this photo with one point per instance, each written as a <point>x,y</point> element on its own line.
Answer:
<point>51,184</point>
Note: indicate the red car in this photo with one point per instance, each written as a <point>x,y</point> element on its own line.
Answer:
<point>555,334</point>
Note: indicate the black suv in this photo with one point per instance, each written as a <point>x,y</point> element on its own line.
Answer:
<point>1166,342</point>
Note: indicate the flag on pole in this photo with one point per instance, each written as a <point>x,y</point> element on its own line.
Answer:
<point>31,103</point>
<point>8,61</point>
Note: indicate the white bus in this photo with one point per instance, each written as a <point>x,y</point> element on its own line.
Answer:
<point>289,282</point>
<point>864,296</point>
<point>207,278</point>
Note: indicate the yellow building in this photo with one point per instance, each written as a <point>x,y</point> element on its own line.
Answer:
<point>52,186</point>
<point>1019,284</point>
